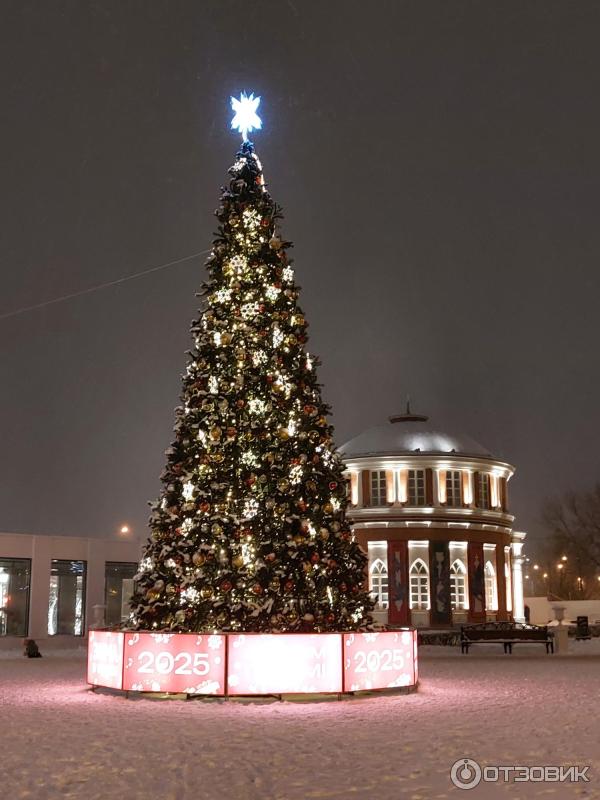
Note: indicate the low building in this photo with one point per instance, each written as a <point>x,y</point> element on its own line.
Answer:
<point>58,585</point>
<point>431,509</point>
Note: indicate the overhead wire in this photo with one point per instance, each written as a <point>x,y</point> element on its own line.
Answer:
<point>15,312</point>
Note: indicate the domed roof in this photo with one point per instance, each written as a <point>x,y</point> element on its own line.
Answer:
<point>410,433</point>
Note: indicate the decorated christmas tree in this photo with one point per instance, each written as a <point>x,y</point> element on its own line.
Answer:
<point>249,533</point>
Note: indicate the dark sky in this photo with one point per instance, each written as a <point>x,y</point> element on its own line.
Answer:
<point>438,164</point>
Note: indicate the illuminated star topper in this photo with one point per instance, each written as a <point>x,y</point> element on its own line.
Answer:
<point>246,119</point>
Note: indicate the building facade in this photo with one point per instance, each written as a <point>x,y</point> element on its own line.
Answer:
<point>59,585</point>
<point>431,509</point>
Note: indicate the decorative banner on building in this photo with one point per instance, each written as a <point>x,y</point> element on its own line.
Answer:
<point>105,659</point>
<point>186,663</point>
<point>398,611</point>
<point>476,582</point>
<point>379,660</point>
<point>439,567</point>
<point>284,663</point>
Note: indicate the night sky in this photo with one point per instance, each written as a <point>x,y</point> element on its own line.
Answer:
<point>438,164</point>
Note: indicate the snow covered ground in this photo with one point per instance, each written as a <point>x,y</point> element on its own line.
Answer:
<point>58,739</point>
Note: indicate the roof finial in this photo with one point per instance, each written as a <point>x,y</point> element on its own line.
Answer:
<point>408,415</point>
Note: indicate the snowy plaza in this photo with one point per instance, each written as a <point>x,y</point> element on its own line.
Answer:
<point>59,739</point>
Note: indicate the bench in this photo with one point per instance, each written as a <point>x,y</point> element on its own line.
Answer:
<point>506,634</point>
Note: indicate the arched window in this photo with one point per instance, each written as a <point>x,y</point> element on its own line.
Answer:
<point>458,585</point>
<point>419,585</point>
<point>491,591</point>
<point>378,580</point>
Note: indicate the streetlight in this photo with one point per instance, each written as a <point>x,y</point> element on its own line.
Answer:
<point>564,558</point>
<point>124,529</point>
<point>536,566</point>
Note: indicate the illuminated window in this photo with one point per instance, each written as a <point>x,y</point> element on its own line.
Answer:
<point>491,593</point>
<point>458,585</point>
<point>14,596</point>
<point>378,488</point>
<point>378,583</point>
<point>453,496</point>
<point>416,487</point>
<point>118,588</point>
<point>483,483</point>
<point>66,610</point>
<point>419,585</point>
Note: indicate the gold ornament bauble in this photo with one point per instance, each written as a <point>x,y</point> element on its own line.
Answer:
<point>206,592</point>
<point>327,508</point>
<point>215,433</point>
<point>198,559</point>
<point>238,561</point>
<point>283,485</point>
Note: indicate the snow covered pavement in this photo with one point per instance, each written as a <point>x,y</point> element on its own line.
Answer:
<point>59,740</point>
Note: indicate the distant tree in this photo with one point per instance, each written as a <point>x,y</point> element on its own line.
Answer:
<point>573,522</point>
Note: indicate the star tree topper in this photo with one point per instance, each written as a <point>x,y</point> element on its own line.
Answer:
<point>246,119</point>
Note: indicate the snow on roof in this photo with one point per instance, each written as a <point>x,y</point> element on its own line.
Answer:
<point>409,434</point>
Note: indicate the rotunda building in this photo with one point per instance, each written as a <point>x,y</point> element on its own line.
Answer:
<point>431,510</point>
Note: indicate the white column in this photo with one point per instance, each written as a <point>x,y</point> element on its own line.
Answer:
<point>517,560</point>
<point>39,597</point>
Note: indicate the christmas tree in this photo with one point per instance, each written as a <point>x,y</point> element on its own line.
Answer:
<point>249,533</point>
